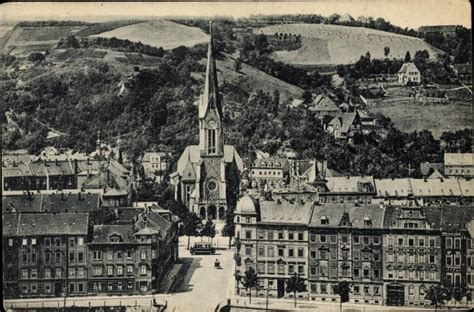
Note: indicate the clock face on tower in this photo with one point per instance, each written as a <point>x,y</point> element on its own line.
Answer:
<point>211,123</point>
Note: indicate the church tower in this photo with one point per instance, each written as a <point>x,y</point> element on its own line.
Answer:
<point>208,174</point>
<point>211,140</point>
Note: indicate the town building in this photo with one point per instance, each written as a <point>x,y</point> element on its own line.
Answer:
<point>207,176</point>
<point>45,255</point>
<point>323,106</point>
<point>272,237</point>
<point>345,125</point>
<point>459,165</point>
<point>349,189</point>
<point>412,254</point>
<point>156,165</point>
<point>409,74</point>
<point>345,243</point>
<point>445,30</point>
<point>267,173</point>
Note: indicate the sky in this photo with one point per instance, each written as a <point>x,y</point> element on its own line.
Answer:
<point>404,13</point>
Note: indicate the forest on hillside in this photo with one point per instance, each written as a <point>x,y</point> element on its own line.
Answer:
<point>158,111</point>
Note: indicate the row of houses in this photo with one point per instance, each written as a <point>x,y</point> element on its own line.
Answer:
<point>314,181</point>
<point>70,254</point>
<point>391,254</point>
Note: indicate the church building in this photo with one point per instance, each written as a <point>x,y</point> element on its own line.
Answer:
<point>208,175</point>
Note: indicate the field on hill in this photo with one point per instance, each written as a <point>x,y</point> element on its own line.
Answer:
<point>335,44</point>
<point>24,40</point>
<point>165,34</point>
<point>408,115</point>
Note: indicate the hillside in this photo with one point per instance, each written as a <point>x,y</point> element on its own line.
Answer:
<point>165,34</point>
<point>335,44</point>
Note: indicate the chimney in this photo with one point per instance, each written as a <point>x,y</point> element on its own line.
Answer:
<point>76,166</point>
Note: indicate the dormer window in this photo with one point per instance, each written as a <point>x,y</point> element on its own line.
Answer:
<point>367,221</point>
<point>115,238</point>
<point>324,220</point>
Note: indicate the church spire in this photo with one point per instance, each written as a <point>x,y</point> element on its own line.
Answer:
<point>210,96</point>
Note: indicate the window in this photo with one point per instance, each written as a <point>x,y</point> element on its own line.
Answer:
<point>143,270</point>
<point>356,290</point>
<point>270,251</point>
<point>10,242</point>
<point>143,255</point>
<point>281,251</point>
<point>58,256</point>
<point>97,271</point>
<point>366,290</point>
<point>261,251</point>
<point>80,241</point>
<point>280,235</point>
<point>312,237</point>
<point>400,241</point>
<point>24,273</point>
<point>390,241</point>
<point>110,255</point>
<point>390,257</point>
<point>71,256</point>
<point>80,256</point>
<point>300,236</point>
<point>33,241</point>
<point>366,273</point>
<point>355,239</point>
<point>24,242</point>
<point>261,267</point>
<point>323,238</point>
<point>281,269</point>
<point>110,270</point>
<point>130,269</point>
<point>248,234</point>
<point>72,272</point>
<point>110,287</point>
<point>270,235</point>
<point>376,290</point>
<point>376,273</point>
<point>47,288</point>
<point>129,254</point>
<point>432,258</point>
<point>356,272</point>
<point>376,256</point>
<point>248,250</point>
<point>261,234</point>
<point>366,240</point>
<point>411,242</point>
<point>449,260</point>
<point>313,254</point>
<point>97,255</point>
<point>24,256</point>
<point>432,242</point>
<point>457,260</point>
<point>457,243</point>
<point>313,270</point>
<point>119,254</point>
<point>58,272</point>
<point>271,268</point>
<point>356,255</point>
<point>119,286</point>
<point>47,273</point>
<point>291,236</point>
<point>300,269</point>
<point>421,241</point>
<point>300,252</point>
<point>333,239</point>
<point>72,242</point>
<point>449,242</point>
<point>80,272</point>
<point>34,288</point>
<point>291,252</point>
<point>324,289</point>
<point>130,284</point>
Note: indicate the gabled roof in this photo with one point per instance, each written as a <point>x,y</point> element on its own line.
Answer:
<point>296,103</point>
<point>36,224</point>
<point>437,175</point>
<point>192,153</point>
<point>153,221</point>
<point>296,213</point>
<point>427,166</point>
<point>459,159</point>
<point>324,104</point>
<point>348,184</point>
<point>333,213</point>
<point>449,218</point>
<point>344,121</point>
<point>408,68</point>
<point>272,162</point>
<point>103,232</point>
<point>393,187</point>
<point>435,187</point>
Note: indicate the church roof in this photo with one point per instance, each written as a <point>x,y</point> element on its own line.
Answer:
<point>192,154</point>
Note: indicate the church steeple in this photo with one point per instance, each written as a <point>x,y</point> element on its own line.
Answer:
<point>210,109</point>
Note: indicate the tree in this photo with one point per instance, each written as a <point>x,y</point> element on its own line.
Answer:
<point>307,96</point>
<point>191,226</point>
<point>295,284</point>
<point>229,227</point>
<point>209,229</point>
<point>386,51</point>
<point>250,281</point>
<point>437,295</point>
<point>276,101</point>
<point>407,57</point>
<point>342,289</point>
